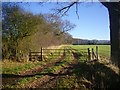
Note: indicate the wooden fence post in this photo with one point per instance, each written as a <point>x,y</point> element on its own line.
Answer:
<point>89,57</point>
<point>97,52</point>
<point>92,53</point>
<point>41,53</point>
<point>30,55</point>
<point>64,52</point>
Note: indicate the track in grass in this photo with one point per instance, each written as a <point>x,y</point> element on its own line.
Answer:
<point>10,80</point>
<point>70,72</point>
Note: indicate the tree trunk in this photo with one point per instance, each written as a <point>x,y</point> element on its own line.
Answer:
<point>114,15</point>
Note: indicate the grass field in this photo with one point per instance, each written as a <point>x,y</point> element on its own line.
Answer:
<point>10,68</point>
<point>103,50</point>
<point>17,67</point>
<point>65,71</point>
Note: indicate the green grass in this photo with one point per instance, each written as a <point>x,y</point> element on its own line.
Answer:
<point>103,50</point>
<point>10,67</point>
<point>53,69</point>
<point>17,67</point>
<point>62,82</point>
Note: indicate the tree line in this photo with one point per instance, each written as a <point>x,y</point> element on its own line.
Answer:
<point>77,41</point>
<point>23,31</point>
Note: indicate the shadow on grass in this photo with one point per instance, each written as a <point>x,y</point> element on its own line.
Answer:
<point>25,76</point>
<point>98,74</point>
<point>15,76</point>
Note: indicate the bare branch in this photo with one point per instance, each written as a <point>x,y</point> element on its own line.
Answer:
<point>77,10</point>
<point>66,8</point>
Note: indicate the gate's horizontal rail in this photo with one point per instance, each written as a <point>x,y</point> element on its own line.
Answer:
<point>54,53</point>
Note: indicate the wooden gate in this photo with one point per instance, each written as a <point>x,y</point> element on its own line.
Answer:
<point>44,54</point>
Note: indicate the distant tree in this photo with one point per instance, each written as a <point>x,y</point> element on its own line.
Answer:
<point>94,42</point>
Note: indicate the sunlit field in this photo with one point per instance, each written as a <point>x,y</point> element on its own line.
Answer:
<point>103,50</point>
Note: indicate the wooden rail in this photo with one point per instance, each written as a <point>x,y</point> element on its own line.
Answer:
<point>43,53</point>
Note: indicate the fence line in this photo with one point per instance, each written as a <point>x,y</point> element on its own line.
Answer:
<point>43,53</point>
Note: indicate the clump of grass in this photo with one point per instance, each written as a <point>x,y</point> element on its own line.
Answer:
<point>70,82</point>
<point>22,82</point>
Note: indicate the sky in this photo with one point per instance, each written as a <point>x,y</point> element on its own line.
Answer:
<point>93,21</point>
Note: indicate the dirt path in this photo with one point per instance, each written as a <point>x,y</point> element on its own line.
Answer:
<point>41,68</point>
<point>49,80</point>
<point>63,73</point>
<point>73,75</point>
<point>91,78</point>
<point>11,79</point>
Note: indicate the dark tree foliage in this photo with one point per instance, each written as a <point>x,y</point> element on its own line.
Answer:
<point>22,31</point>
